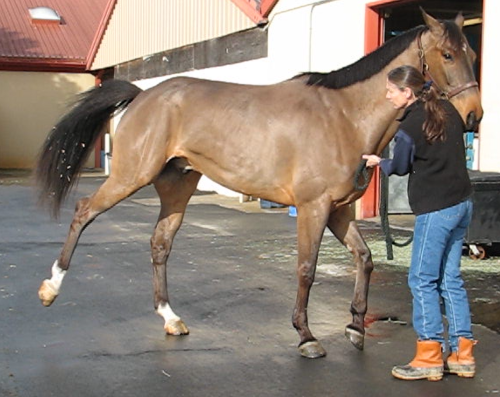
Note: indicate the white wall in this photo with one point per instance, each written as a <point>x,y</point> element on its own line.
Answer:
<point>250,72</point>
<point>489,133</point>
<point>315,35</point>
<point>338,35</point>
<point>289,42</point>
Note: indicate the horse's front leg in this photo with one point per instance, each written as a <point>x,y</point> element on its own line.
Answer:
<point>344,227</point>
<point>311,223</point>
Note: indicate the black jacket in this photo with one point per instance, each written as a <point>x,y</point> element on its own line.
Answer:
<point>438,173</point>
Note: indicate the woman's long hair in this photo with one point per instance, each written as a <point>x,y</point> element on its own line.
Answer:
<point>410,77</point>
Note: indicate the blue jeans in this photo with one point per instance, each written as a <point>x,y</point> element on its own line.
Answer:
<point>435,273</point>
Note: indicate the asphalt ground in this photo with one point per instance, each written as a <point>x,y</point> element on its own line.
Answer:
<point>232,280</point>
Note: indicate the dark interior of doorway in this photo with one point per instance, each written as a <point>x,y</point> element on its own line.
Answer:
<point>401,17</point>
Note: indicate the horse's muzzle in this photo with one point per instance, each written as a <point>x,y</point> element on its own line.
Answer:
<point>472,123</point>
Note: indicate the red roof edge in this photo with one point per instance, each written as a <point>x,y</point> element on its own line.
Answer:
<point>266,6</point>
<point>99,33</point>
<point>252,10</point>
<point>40,65</point>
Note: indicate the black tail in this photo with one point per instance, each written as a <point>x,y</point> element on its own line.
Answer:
<point>71,141</point>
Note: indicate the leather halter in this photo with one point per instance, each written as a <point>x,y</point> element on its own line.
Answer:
<point>424,67</point>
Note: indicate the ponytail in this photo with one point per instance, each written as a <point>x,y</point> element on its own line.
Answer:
<point>434,125</point>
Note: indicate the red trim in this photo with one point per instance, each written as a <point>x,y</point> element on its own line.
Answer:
<point>97,154</point>
<point>41,65</point>
<point>374,27</point>
<point>379,3</point>
<point>266,6</point>
<point>374,30</point>
<point>373,39</point>
<point>103,24</point>
<point>250,7</point>
<point>98,144</point>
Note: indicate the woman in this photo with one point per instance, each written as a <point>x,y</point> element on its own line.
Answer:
<point>430,148</point>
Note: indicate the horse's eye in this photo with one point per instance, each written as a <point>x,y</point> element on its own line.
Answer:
<point>447,56</point>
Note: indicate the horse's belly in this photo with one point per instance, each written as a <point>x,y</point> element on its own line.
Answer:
<point>252,180</point>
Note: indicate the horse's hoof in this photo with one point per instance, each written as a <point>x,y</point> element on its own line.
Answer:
<point>312,349</point>
<point>356,338</point>
<point>47,293</point>
<point>176,327</point>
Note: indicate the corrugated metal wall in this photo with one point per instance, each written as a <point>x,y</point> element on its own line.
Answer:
<point>142,27</point>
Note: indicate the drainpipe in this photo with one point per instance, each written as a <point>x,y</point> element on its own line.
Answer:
<point>313,6</point>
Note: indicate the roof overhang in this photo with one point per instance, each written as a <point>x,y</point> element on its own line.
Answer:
<point>256,11</point>
<point>100,33</point>
<point>41,65</point>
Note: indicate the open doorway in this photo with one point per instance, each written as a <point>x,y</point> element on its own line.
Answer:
<point>401,17</point>
<point>397,18</point>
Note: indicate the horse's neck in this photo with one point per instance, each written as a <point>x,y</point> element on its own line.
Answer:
<point>377,126</point>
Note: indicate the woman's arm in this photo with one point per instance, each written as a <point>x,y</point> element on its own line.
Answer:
<point>402,160</point>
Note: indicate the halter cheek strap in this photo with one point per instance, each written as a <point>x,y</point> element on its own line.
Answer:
<point>424,67</point>
<point>458,90</point>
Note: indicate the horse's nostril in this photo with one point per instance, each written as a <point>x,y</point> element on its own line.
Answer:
<point>472,122</point>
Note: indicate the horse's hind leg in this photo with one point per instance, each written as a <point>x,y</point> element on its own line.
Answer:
<point>174,188</point>
<point>111,192</point>
<point>344,227</point>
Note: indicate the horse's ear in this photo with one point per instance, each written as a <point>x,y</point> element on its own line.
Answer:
<point>459,20</point>
<point>433,24</point>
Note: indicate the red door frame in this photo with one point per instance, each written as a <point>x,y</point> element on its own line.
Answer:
<point>374,31</point>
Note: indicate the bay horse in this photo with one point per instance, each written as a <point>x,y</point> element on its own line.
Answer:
<point>298,142</point>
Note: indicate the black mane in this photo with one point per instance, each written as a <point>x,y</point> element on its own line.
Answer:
<point>367,66</point>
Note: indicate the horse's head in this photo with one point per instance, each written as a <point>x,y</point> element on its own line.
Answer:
<point>447,59</point>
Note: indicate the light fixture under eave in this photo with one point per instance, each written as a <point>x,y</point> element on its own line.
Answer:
<point>44,14</point>
<point>473,21</point>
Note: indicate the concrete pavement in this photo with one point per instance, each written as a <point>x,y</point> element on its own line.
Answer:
<point>232,280</point>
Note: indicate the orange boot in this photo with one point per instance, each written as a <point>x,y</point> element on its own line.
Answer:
<point>462,361</point>
<point>427,363</point>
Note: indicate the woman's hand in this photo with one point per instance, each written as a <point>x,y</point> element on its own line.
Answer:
<point>371,160</point>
